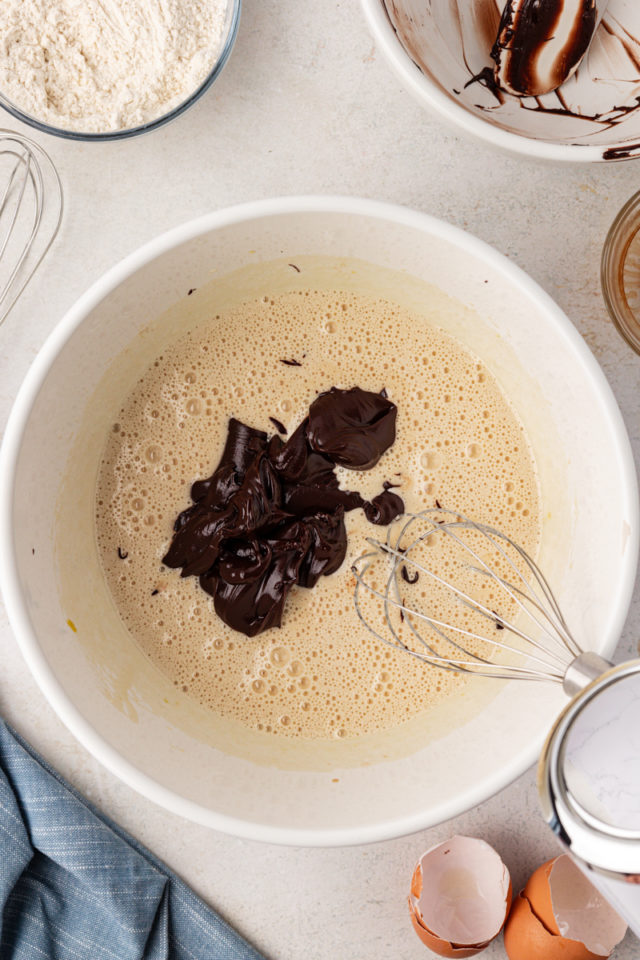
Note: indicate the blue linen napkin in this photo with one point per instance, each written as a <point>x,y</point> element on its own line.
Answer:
<point>74,886</point>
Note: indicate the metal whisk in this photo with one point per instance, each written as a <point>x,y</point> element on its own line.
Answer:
<point>397,592</point>
<point>31,204</point>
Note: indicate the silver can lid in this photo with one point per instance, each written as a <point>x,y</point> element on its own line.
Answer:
<point>589,774</point>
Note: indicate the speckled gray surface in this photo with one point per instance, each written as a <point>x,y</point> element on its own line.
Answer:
<point>306,105</point>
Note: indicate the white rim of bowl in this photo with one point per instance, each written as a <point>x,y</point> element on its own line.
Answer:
<point>427,92</point>
<point>25,636</point>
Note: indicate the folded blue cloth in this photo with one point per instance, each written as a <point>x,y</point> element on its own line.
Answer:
<point>74,886</point>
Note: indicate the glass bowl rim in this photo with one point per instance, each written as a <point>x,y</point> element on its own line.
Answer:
<point>128,132</point>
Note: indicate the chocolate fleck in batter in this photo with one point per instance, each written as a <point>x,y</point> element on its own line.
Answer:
<point>272,514</point>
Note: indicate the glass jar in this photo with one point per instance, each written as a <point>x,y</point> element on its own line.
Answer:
<point>620,272</point>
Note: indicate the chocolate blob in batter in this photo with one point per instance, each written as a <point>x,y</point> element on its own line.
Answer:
<point>272,513</point>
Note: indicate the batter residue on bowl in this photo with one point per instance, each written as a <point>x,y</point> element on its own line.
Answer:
<point>458,440</point>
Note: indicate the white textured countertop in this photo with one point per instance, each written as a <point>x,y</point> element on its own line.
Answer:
<point>305,105</point>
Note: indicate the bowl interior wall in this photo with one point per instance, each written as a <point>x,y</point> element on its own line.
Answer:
<point>450,42</point>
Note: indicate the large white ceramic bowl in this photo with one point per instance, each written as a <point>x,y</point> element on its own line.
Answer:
<point>111,697</point>
<point>437,47</point>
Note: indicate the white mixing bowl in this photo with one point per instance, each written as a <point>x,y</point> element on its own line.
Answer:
<point>116,702</point>
<point>440,48</point>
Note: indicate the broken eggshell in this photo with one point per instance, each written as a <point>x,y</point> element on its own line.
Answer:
<point>460,897</point>
<point>561,916</point>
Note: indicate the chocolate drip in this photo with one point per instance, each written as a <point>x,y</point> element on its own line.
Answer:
<point>272,513</point>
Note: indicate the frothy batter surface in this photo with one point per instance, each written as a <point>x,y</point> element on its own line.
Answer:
<point>321,675</point>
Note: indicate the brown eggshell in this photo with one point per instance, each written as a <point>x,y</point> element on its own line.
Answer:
<point>599,926</point>
<point>416,881</point>
<point>538,893</point>
<point>442,947</point>
<point>527,938</point>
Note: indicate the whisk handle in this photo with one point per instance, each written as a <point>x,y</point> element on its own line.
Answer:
<point>582,671</point>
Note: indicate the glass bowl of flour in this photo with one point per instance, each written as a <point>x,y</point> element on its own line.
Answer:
<point>112,70</point>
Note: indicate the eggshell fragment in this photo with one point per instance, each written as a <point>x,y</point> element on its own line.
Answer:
<point>460,897</point>
<point>561,916</point>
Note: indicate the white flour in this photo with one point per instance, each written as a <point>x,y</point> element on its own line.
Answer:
<point>99,65</point>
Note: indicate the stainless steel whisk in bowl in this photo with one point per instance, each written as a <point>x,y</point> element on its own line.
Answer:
<point>31,205</point>
<point>494,614</point>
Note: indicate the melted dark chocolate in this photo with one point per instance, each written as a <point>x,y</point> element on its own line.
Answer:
<point>272,513</point>
<point>355,431</point>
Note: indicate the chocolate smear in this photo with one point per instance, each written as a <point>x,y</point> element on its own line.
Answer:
<point>540,44</point>
<point>272,513</point>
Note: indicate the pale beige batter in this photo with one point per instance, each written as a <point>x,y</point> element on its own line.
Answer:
<point>458,440</point>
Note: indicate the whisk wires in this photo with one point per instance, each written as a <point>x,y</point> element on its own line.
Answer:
<point>31,207</point>
<point>546,644</point>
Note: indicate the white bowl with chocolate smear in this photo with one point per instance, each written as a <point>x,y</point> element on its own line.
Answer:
<point>191,387</point>
<point>556,79</point>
